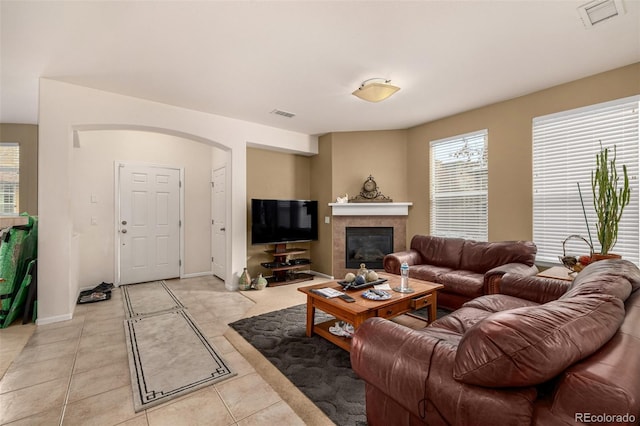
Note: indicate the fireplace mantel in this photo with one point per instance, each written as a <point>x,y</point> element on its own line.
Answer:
<point>370,209</point>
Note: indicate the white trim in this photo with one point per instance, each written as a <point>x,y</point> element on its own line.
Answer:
<point>51,320</point>
<point>370,209</point>
<point>197,274</point>
<point>320,274</point>
<point>116,214</point>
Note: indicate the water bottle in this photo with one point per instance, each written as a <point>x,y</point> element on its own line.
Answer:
<point>404,276</point>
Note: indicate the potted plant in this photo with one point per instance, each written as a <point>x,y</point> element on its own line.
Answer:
<point>609,200</point>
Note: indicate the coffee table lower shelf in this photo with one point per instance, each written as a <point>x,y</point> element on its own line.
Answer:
<point>322,329</point>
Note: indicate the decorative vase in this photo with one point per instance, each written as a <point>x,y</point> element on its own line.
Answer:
<point>260,283</point>
<point>244,283</point>
<point>363,270</point>
<point>599,256</point>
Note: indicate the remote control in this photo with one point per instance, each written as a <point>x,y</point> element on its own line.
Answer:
<point>347,298</point>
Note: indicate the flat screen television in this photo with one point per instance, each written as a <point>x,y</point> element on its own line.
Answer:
<point>283,221</point>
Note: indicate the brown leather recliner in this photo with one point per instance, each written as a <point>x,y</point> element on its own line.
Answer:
<point>542,352</point>
<point>467,269</point>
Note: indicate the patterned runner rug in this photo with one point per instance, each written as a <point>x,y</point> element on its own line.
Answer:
<point>168,354</point>
<point>149,298</point>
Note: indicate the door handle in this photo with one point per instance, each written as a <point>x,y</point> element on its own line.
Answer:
<point>124,231</point>
<point>223,229</point>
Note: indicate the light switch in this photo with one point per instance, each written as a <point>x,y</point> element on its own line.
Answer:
<point>94,198</point>
<point>94,220</point>
<point>327,219</point>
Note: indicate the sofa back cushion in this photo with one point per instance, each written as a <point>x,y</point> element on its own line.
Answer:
<point>530,345</point>
<point>482,256</point>
<point>438,251</point>
<point>617,277</point>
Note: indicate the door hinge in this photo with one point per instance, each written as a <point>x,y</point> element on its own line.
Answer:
<point>179,184</point>
<point>212,259</point>
<point>180,262</point>
<point>180,223</point>
<point>213,184</point>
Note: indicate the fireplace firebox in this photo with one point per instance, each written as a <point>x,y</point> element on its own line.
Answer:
<point>367,245</point>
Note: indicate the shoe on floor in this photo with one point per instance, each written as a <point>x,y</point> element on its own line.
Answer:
<point>104,287</point>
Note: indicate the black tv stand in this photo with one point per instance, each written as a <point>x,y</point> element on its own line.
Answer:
<point>284,270</point>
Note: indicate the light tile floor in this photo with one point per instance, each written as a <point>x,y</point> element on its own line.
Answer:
<point>76,372</point>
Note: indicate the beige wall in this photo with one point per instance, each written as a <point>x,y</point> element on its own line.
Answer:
<point>344,161</point>
<point>322,190</point>
<point>93,175</point>
<point>382,154</point>
<point>273,175</point>
<point>27,136</point>
<point>510,147</point>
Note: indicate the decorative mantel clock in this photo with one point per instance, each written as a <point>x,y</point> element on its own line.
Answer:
<point>370,193</point>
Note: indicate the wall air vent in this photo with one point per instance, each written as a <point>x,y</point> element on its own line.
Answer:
<point>598,11</point>
<point>283,113</point>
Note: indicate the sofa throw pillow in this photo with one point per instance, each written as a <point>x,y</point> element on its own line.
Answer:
<point>530,345</point>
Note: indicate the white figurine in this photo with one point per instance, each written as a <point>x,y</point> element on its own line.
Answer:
<point>344,199</point>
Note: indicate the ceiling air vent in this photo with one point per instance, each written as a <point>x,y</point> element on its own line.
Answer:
<point>598,11</point>
<point>283,113</point>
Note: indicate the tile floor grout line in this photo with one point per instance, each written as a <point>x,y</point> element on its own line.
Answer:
<point>73,366</point>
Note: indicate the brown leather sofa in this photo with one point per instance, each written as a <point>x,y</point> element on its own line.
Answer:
<point>542,352</point>
<point>467,269</point>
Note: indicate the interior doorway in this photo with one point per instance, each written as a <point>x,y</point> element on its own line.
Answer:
<point>149,223</point>
<point>218,222</point>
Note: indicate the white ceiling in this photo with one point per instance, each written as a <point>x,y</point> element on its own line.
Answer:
<point>242,59</point>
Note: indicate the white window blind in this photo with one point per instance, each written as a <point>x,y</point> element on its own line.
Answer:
<point>458,191</point>
<point>564,154</point>
<point>9,177</point>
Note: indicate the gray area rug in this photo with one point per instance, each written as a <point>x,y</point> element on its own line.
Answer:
<point>320,369</point>
<point>168,354</point>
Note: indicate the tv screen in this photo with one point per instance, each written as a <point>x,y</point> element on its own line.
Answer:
<point>283,221</point>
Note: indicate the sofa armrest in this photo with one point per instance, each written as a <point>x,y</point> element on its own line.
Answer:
<point>414,369</point>
<point>393,358</point>
<point>493,276</point>
<point>533,288</point>
<point>392,261</point>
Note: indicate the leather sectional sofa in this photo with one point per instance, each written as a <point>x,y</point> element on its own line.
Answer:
<point>541,352</point>
<point>467,269</point>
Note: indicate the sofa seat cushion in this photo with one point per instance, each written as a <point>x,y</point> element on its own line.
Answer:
<point>528,346</point>
<point>460,320</point>
<point>465,283</point>
<point>429,273</point>
<point>498,302</point>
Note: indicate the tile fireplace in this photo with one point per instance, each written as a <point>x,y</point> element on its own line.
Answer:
<point>388,218</point>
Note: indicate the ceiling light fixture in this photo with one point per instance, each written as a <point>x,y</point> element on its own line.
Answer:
<point>375,91</point>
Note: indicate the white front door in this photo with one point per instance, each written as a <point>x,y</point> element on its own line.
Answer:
<point>218,223</point>
<point>149,223</point>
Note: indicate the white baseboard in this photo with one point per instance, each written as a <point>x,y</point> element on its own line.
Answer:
<point>320,274</point>
<point>51,320</point>
<point>198,274</point>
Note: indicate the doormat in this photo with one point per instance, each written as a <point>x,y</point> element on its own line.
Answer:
<point>169,356</point>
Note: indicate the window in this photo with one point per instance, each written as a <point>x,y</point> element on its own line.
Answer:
<point>564,154</point>
<point>459,185</point>
<point>9,177</point>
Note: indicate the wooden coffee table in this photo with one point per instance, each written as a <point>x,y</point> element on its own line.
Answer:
<point>424,295</point>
